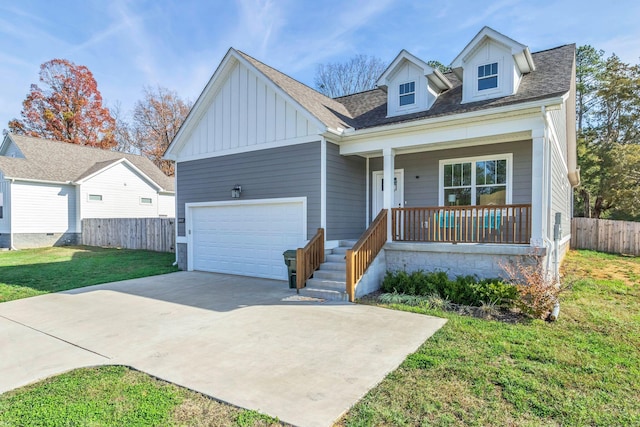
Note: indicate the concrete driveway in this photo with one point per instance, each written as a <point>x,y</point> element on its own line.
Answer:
<point>240,340</point>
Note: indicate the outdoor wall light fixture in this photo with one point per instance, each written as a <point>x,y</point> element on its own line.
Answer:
<point>235,191</point>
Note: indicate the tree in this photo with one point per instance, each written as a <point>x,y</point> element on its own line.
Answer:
<point>608,142</point>
<point>589,63</point>
<point>437,65</point>
<point>69,108</point>
<point>156,120</point>
<point>358,74</point>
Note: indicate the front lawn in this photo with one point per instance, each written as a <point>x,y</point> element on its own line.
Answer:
<point>583,369</point>
<point>30,272</point>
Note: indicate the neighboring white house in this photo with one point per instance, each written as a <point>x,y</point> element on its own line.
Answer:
<point>48,187</point>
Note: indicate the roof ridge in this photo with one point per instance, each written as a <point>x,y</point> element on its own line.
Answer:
<point>553,48</point>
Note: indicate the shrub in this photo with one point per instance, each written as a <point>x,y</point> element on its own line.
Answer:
<point>467,290</point>
<point>538,291</point>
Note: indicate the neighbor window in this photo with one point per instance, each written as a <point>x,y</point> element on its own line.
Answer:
<point>407,93</point>
<point>481,181</point>
<point>95,197</point>
<point>146,200</point>
<point>488,76</point>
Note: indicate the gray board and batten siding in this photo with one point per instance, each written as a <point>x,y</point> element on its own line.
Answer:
<point>346,195</point>
<point>421,180</point>
<point>292,171</point>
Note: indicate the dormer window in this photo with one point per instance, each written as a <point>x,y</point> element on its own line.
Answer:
<point>488,76</point>
<point>407,93</point>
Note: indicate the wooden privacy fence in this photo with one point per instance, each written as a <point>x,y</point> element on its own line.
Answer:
<point>604,235</point>
<point>153,234</point>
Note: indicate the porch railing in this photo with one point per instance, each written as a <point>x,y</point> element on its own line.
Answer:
<point>309,258</point>
<point>360,257</point>
<point>463,224</point>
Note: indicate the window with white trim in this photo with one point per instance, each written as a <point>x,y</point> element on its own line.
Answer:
<point>146,200</point>
<point>488,76</point>
<point>95,197</point>
<point>477,181</point>
<point>407,93</point>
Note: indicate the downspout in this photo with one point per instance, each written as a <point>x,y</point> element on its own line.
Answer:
<point>555,312</point>
<point>548,242</point>
<point>11,247</point>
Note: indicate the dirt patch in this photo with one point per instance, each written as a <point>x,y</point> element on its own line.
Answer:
<point>625,269</point>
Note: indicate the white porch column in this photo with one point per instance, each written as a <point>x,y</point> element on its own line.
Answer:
<point>538,199</point>
<point>388,175</point>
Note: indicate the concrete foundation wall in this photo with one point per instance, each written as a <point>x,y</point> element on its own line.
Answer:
<point>181,249</point>
<point>482,260</point>
<point>373,277</point>
<point>41,240</point>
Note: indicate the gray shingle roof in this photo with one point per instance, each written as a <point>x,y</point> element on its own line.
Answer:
<point>551,78</point>
<point>47,160</point>
<point>368,109</point>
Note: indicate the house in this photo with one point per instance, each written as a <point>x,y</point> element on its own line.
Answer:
<point>48,187</point>
<point>481,158</point>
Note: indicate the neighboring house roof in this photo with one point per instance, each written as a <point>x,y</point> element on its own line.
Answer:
<point>551,78</point>
<point>46,160</point>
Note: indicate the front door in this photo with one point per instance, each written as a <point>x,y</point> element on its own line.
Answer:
<point>378,191</point>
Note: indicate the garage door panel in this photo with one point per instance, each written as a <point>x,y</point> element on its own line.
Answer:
<point>246,239</point>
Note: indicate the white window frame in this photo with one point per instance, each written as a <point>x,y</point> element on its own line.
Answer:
<point>89,199</point>
<point>414,93</point>
<point>504,156</point>
<point>497,76</point>
<point>145,203</point>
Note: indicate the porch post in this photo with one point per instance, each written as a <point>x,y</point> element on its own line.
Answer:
<point>538,177</point>
<point>388,175</point>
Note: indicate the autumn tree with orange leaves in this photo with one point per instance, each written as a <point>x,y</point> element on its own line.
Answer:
<point>69,107</point>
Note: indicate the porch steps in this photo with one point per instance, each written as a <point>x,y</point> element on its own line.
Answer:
<point>329,281</point>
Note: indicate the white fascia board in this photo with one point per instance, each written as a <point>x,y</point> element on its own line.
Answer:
<point>478,39</point>
<point>434,75</point>
<point>128,164</point>
<point>38,181</point>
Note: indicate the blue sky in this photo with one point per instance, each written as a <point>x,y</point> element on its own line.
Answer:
<point>179,43</point>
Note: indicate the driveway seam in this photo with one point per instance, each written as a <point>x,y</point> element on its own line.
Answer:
<point>55,337</point>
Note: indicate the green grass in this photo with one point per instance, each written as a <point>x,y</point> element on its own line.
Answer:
<point>583,369</point>
<point>31,272</point>
<point>117,396</point>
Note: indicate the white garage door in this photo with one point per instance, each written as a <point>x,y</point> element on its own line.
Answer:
<point>247,238</point>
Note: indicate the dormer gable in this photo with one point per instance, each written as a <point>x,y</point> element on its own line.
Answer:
<point>8,148</point>
<point>491,66</point>
<point>411,85</point>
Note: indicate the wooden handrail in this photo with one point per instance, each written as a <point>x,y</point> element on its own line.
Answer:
<point>360,257</point>
<point>506,224</point>
<point>309,258</point>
